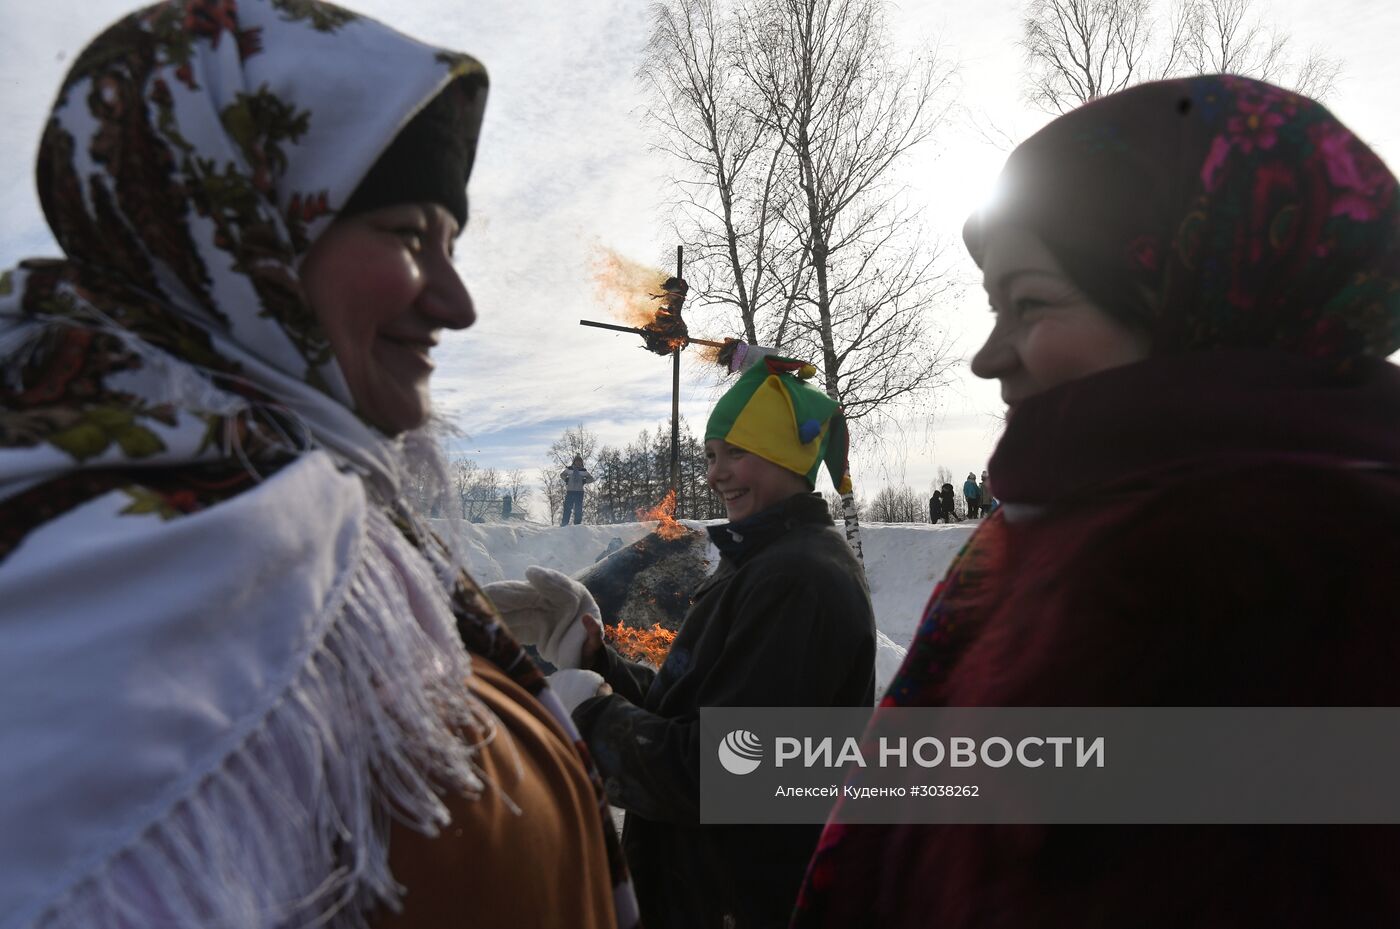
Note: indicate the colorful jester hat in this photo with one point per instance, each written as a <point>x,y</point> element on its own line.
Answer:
<point>774,413</point>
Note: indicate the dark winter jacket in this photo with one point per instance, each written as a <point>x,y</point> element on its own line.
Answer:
<point>935,507</point>
<point>1107,578</point>
<point>947,495</point>
<point>785,620</point>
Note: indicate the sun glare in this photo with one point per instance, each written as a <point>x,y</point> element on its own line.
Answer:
<point>964,179</point>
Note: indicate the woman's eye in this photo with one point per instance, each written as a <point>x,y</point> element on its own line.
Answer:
<point>1026,305</point>
<point>412,236</point>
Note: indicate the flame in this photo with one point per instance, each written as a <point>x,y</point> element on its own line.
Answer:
<point>626,288</point>
<point>663,512</point>
<point>649,645</point>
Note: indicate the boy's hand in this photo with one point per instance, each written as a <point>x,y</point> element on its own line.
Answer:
<point>592,640</point>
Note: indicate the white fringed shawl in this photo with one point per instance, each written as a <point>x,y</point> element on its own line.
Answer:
<point>220,742</point>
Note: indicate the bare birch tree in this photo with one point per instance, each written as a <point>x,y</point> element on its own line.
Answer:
<point>731,186</point>
<point>789,120</point>
<point>846,110</point>
<point>1078,50</point>
<point>1225,38</point>
<point>1082,49</point>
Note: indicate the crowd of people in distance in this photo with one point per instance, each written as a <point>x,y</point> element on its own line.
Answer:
<point>978,501</point>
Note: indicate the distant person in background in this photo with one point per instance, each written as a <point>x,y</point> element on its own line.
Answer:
<point>972,495</point>
<point>1196,284</point>
<point>935,507</point>
<point>575,476</point>
<point>785,620</point>
<point>948,504</point>
<point>984,495</point>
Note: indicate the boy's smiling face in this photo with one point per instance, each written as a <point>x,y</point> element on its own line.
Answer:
<point>748,483</point>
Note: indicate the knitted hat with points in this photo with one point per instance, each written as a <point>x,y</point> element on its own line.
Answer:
<point>772,412</point>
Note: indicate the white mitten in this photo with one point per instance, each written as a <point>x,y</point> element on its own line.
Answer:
<point>573,686</point>
<point>545,610</point>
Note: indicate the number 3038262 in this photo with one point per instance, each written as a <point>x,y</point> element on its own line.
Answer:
<point>944,790</point>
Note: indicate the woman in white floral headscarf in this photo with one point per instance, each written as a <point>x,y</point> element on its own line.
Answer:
<point>233,690</point>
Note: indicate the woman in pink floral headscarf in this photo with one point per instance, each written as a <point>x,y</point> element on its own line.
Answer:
<point>1196,284</point>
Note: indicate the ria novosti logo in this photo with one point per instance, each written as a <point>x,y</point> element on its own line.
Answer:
<point>740,752</point>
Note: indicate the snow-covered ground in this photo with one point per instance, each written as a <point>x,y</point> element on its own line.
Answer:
<point>903,561</point>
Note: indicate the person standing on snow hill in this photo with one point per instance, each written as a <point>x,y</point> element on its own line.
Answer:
<point>575,476</point>
<point>948,505</point>
<point>972,495</point>
<point>1196,284</point>
<point>786,620</point>
<point>242,685</point>
<point>984,495</point>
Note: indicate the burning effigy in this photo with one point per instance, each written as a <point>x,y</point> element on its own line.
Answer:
<point>643,589</point>
<point>667,330</point>
<point>647,299</point>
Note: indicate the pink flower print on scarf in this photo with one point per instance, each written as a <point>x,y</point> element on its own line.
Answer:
<point>1363,186</point>
<point>1249,130</point>
<point>1263,110</point>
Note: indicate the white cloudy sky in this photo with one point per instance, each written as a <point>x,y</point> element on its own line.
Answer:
<point>564,169</point>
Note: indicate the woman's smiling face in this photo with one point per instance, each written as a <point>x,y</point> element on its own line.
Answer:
<point>1047,331</point>
<point>383,287</point>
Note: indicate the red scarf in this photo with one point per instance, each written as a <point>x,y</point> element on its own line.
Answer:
<point>1075,449</point>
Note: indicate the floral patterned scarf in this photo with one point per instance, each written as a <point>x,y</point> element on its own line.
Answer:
<point>194,153</point>
<point>1218,213</point>
<point>166,389</point>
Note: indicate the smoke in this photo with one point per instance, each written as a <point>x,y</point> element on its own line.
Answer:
<point>626,288</point>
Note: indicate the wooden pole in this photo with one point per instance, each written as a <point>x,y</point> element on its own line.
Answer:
<point>642,332</point>
<point>676,399</point>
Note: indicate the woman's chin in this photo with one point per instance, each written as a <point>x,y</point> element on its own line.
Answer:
<point>397,411</point>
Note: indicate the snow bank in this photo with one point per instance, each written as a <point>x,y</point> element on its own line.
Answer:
<point>903,561</point>
<point>502,551</point>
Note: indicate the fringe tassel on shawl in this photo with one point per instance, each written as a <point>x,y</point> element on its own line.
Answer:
<point>290,826</point>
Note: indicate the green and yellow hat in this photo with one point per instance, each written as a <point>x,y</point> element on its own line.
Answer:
<point>772,412</point>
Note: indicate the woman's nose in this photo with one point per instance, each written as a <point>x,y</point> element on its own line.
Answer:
<point>446,299</point>
<point>996,356</point>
